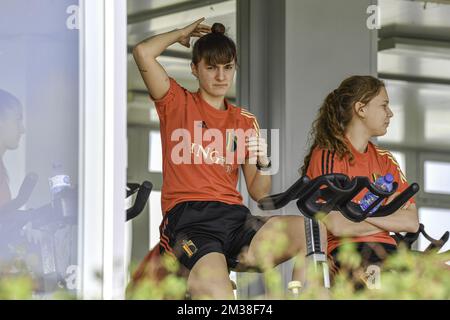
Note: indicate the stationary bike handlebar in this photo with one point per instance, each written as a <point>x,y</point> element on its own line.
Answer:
<point>10,210</point>
<point>143,192</point>
<point>409,238</point>
<point>335,192</point>
<point>282,199</point>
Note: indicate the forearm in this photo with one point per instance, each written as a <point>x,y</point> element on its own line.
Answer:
<point>404,220</point>
<point>153,74</point>
<point>260,186</point>
<point>154,46</point>
<point>340,226</point>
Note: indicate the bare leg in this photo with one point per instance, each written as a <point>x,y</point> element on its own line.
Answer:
<point>209,278</point>
<point>280,239</point>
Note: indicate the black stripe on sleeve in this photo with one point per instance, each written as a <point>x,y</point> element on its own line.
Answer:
<point>328,161</point>
<point>323,162</point>
<point>332,162</point>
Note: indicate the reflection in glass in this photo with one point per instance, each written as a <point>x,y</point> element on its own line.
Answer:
<point>39,144</point>
<point>11,131</point>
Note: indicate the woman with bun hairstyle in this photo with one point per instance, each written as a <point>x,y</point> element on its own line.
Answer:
<point>206,226</point>
<point>357,111</point>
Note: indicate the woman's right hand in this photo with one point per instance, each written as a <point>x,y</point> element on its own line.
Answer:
<point>195,29</point>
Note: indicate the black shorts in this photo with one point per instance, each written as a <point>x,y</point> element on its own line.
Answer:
<point>193,229</point>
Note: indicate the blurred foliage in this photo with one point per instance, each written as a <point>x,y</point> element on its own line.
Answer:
<point>405,275</point>
<point>152,286</point>
<point>17,282</point>
<point>16,288</point>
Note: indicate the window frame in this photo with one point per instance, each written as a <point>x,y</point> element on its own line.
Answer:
<point>432,199</point>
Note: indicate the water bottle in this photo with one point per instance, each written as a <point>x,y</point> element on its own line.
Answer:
<point>59,180</point>
<point>384,183</point>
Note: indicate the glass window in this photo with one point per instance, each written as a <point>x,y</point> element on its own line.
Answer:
<point>437,127</point>
<point>436,222</point>
<point>437,177</point>
<point>155,154</point>
<point>39,130</point>
<point>142,111</point>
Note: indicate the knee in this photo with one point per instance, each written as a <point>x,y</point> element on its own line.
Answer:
<point>215,289</point>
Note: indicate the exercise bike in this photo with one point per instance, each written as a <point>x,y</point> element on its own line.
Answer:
<point>335,192</point>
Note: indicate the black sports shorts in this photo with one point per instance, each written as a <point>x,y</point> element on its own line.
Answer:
<point>191,230</point>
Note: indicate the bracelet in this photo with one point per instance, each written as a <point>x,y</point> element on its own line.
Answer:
<point>263,168</point>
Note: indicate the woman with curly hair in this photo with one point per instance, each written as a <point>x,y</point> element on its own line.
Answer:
<point>351,115</point>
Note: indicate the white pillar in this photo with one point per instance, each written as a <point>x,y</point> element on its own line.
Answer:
<point>103,148</point>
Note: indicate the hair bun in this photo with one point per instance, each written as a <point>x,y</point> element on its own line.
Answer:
<point>218,28</point>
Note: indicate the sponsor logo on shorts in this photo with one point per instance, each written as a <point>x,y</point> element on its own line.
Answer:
<point>189,248</point>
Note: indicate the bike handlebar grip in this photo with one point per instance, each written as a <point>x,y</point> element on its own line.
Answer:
<point>25,190</point>
<point>141,200</point>
<point>304,188</point>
